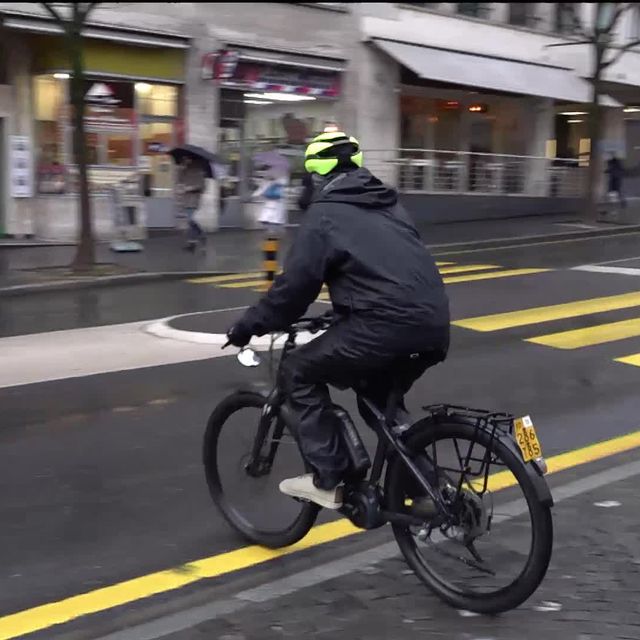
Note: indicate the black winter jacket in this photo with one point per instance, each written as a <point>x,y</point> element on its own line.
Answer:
<point>358,240</point>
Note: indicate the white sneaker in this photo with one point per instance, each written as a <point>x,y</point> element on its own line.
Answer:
<point>303,487</point>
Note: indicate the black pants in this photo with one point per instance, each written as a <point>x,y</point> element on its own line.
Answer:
<point>354,352</point>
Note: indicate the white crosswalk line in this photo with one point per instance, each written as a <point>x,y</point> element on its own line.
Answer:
<point>594,268</point>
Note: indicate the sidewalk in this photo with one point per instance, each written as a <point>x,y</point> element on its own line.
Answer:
<point>592,591</point>
<point>238,250</point>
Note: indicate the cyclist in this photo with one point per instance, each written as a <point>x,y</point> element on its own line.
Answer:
<point>386,292</point>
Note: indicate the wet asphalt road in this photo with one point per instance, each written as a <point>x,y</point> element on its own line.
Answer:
<point>91,307</point>
<point>101,476</point>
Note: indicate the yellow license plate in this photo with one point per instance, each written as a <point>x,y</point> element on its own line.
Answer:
<point>527,438</point>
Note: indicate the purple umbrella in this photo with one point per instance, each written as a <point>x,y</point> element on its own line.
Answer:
<point>277,163</point>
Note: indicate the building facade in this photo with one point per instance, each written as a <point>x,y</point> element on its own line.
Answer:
<point>449,100</point>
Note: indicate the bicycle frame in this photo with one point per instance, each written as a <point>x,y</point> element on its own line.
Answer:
<point>385,427</point>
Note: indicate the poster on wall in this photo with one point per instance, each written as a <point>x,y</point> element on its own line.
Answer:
<point>108,106</point>
<point>21,174</point>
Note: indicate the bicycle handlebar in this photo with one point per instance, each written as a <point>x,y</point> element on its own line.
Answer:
<point>313,325</point>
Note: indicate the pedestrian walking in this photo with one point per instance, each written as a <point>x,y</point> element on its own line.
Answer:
<point>615,171</point>
<point>272,194</point>
<point>191,177</point>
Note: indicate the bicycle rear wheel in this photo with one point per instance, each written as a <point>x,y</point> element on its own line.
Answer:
<point>492,555</point>
<point>252,503</point>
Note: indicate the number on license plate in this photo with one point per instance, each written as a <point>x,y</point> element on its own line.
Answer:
<point>527,438</point>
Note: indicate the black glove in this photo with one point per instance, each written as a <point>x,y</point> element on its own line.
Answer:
<point>238,336</point>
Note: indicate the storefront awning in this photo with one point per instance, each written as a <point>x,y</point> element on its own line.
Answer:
<point>499,74</point>
<point>130,36</point>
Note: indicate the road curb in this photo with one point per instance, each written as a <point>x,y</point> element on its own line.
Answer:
<point>162,329</point>
<point>496,243</point>
<point>104,281</point>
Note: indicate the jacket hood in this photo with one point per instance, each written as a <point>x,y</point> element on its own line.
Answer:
<point>358,187</point>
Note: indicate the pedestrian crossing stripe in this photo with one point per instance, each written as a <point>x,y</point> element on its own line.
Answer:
<point>469,268</point>
<point>574,338</point>
<point>590,336</point>
<point>229,277</point>
<point>464,273</point>
<point>536,315</point>
<point>494,274</point>
<point>633,360</point>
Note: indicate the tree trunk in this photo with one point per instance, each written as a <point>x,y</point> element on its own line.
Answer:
<point>85,253</point>
<point>595,153</point>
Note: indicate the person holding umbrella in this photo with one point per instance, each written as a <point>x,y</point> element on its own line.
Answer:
<point>194,165</point>
<point>190,188</point>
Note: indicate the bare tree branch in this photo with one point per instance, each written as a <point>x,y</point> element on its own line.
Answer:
<point>622,7</point>
<point>620,52</point>
<point>578,27</point>
<point>90,7</point>
<point>568,44</point>
<point>53,13</point>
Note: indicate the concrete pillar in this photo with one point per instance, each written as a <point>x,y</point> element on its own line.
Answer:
<point>19,218</point>
<point>541,130</point>
<point>202,119</point>
<point>373,106</point>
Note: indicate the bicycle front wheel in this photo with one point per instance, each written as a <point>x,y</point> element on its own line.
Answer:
<point>251,501</point>
<point>494,550</point>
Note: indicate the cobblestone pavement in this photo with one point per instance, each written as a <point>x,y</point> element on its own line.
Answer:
<point>592,591</point>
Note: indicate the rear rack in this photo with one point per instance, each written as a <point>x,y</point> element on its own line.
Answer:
<point>495,423</point>
<point>483,417</point>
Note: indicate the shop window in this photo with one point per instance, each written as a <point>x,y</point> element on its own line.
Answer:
<point>49,98</point>
<point>92,146</point>
<point>474,9</point>
<point>119,149</point>
<point>567,20</point>
<point>522,14</point>
<point>157,99</point>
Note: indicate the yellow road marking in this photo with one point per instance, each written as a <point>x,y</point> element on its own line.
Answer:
<point>469,268</point>
<point>498,321</point>
<point>444,264</point>
<point>633,360</point>
<point>47,615</point>
<point>496,274</point>
<point>226,278</point>
<point>590,336</point>
<point>243,285</point>
<point>570,459</point>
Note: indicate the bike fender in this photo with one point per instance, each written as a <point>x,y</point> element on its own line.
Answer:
<point>540,485</point>
<point>543,493</point>
<point>255,388</point>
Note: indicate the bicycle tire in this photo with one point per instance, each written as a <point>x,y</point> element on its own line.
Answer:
<point>529,579</point>
<point>291,533</point>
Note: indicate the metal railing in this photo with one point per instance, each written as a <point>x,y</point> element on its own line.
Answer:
<point>462,172</point>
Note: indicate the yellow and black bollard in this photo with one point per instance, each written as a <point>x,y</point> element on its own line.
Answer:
<point>270,265</point>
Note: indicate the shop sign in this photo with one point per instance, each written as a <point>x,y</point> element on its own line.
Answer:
<point>21,174</point>
<point>108,106</point>
<point>283,79</point>
<point>157,147</point>
<point>220,65</point>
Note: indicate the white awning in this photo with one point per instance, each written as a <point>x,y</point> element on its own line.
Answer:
<point>499,74</point>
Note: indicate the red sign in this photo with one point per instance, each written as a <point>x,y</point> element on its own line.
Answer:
<point>219,64</point>
<point>284,79</point>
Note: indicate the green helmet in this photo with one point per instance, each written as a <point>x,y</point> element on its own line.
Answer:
<point>326,151</point>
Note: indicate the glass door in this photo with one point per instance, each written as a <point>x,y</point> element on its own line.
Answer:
<point>157,138</point>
